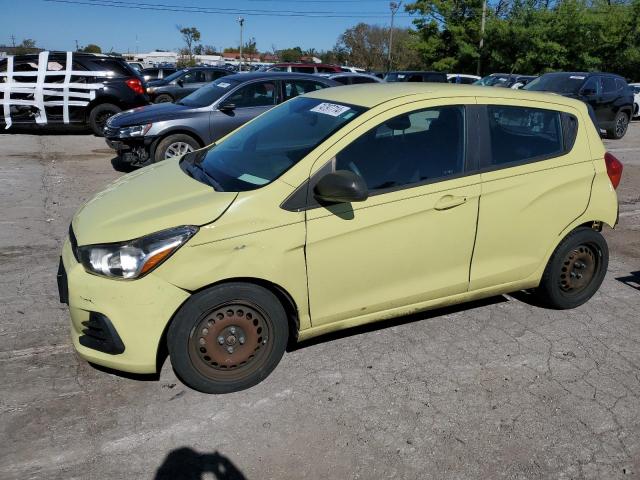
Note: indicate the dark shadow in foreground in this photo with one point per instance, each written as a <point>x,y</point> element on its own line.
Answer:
<point>392,322</point>
<point>187,464</point>
<point>121,166</point>
<point>632,280</point>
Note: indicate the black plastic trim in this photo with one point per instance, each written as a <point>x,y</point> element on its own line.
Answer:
<point>63,284</point>
<point>100,334</point>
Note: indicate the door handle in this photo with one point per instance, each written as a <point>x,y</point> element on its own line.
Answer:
<point>449,201</point>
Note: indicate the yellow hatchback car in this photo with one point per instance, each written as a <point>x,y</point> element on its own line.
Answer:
<point>338,208</point>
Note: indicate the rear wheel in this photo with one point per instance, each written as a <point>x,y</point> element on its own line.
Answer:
<point>228,338</point>
<point>620,125</point>
<point>99,115</point>
<point>163,98</point>
<point>575,270</point>
<point>175,146</point>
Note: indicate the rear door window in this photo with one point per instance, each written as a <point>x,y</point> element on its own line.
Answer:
<point>608,85</point>
<point>520,135</point>
<point>293,88</point>
<point>258,94</point>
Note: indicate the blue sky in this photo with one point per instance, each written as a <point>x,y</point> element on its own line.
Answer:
<point>56,26</point>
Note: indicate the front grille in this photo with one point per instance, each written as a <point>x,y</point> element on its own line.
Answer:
<point>74,244</point>
<point>100,334</point>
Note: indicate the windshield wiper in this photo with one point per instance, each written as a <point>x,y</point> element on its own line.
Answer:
<point>203,173</point>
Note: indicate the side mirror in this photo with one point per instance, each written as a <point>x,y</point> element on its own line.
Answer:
<point>227,107</point>
<point>341,186</point>
<point>180,82</point>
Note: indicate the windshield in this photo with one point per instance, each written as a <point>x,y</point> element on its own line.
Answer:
<point>556,82</point>
<point>208,94</point>
<point>264,149</point>
<point>173,76</point>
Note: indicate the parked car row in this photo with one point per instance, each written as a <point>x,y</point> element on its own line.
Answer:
<point>121,87</point>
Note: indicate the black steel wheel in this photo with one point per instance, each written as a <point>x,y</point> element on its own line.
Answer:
<point>228,338</point>
<point>575,270</point>
<point>99,115</point>
<point>620,126</point>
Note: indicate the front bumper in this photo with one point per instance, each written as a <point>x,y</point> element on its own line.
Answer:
<point>138,311</point>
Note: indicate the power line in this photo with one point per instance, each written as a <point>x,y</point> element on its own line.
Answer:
<point>219,10</point>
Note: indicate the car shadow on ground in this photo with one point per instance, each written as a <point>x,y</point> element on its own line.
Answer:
<point>392,322</point>
<point>186,464</point>
<point>632,280</point>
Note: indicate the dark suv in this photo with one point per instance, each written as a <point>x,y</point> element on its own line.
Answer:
<point>109,86</point>
<point>183,82</point>
<point>408,76</point>
<point>608,94</point>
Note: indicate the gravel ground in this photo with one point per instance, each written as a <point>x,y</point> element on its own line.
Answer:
<point>494,389</point>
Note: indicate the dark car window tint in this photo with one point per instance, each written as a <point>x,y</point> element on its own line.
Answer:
<point>591,86</point>
<point>356,80</point>
<point>117,68</point>
<point>259,94</point>
<point>293,88</point>
<point>326,70</point>
<point>408,149</point>
<point>194,77</point>
<point>608,85</point>
<point>209,93</point>
<point>303,69</point>
<point>520,134</point>
<point>620,84</point>
<point>277,69</point>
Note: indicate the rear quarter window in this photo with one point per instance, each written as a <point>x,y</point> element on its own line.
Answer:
<point>521,135</point>
<point>116,67</point>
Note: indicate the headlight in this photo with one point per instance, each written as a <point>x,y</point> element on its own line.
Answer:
<point>134,131</point>
<point>150,89</point>
<point>136,258</point>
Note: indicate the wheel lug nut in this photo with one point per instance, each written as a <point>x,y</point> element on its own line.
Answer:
<point>230,349</point>
<point>232,330</point>
<point>241,340</point>
<point>221,340</point>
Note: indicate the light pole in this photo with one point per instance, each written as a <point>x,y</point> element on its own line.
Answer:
<point>241,22</point>
<point>482,22</point>
<point>394,7</point>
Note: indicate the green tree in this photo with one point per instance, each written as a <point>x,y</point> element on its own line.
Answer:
<point>190,35</point>
<point>290,54</point>
<point>91,48</point>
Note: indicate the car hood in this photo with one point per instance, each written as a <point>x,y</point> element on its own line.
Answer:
<point>146,201</point>
<point>157,112</point>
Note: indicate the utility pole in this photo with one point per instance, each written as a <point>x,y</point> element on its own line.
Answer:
<point>394,7</point>
<point>77,47</point>
<point>484,16</point>
<point>13,40</point>
<point>241,22</point>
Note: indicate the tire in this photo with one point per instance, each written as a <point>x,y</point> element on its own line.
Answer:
<point>163,98</point>
<point>228,338</point>
<point>620,126</point>
<point>99,115</point>
<point>179,143</point>
<point>575,270</point>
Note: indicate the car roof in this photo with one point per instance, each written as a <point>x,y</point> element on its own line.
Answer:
<point>372,94</point>
<point>417,71</point>
<point>243,77</point>
<point>304,64</point>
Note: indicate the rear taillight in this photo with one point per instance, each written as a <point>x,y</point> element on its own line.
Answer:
<point>614,169</point>
<point>136,85</point>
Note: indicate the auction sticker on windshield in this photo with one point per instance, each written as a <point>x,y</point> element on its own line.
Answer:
<point>332,109</point>
<point>223,85</point>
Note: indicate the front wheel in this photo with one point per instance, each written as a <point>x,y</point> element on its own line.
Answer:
<point>620,125</point>
<point>99,115</point>
<point>228,338</point>
<point>575,270</point>
<point>163,98</point>
<point>175,146</point>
